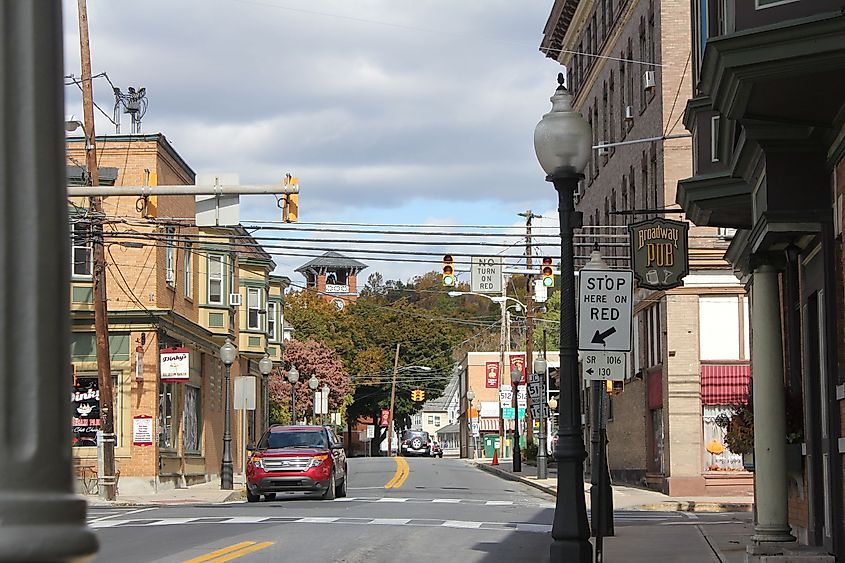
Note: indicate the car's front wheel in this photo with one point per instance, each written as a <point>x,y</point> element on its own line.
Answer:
<point>340,491</point>
<point>270,496</point>
<point>252,497</point>
<point>330,490</point>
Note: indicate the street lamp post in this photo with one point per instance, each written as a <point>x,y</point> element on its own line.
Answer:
<point>516,379</point>
<point>562,143</point>
<point>313,383</point>
<point>228,354</point>
<point>324,396</point>
<point>265,366</point>
<point>470,398</point>
<point>293,377</point>
<point>540,366</point>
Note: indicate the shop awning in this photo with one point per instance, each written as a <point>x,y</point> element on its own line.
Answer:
<point>489,425</point>
<point>724,384</point>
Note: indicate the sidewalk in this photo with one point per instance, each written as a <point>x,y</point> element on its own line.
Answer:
<point>196,494</point>
<point>712,539</point>
<point>625,497</point>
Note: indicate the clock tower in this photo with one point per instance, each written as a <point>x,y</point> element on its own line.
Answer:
<point>334,277</point>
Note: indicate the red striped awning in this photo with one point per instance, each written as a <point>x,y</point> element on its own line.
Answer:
<point>724,384</point>
<point>489,425</point>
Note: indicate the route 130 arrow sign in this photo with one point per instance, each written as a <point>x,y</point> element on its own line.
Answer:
<point>604,310</point>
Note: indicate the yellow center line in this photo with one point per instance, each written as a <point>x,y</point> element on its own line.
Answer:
<point>402,471</point>
<point>220,552</point>
<point>242,552</point>
<point>389,484</point>
<point>406,470</point>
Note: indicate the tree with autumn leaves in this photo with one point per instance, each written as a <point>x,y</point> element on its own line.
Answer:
<point>309,358</point>
<point>430,328</point>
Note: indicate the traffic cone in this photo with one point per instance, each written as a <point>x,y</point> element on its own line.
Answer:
<point>495,457</point>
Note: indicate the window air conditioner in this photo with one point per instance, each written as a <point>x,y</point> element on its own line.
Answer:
<point>648,80</point>
<point>235,299</point>
<point>629,113</point>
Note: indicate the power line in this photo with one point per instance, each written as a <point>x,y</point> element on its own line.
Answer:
<point>433,31</point>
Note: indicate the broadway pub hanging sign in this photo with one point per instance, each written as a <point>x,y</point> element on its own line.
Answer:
<point>659,253</point>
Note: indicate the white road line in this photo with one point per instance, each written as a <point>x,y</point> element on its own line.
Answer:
<point>447,500</point>
<point>499,503</point>
<point>461,524</point>
<point>391,499</point>
<point>121,513</point>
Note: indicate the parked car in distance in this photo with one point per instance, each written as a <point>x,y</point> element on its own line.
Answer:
<point>436,449</point>
<point>415,442</point>
<point>296,458</point>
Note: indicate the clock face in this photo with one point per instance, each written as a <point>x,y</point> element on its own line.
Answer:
<point>339,304</point>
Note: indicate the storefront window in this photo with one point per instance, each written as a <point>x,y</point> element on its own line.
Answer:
<point>85,403</point>
<point>166,410</point>
<point>717,456</point>
<point>193,419</point>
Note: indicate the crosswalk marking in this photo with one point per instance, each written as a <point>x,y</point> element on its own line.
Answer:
<point>479,502</point>
<point>620,517</point>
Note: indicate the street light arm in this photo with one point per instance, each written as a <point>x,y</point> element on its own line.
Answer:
<point>494,298</point>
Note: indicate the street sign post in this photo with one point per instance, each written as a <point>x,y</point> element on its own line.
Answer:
<point>486,274</point>
<point>505,396</point>
<point>603,366</point>
<point>604,310</point>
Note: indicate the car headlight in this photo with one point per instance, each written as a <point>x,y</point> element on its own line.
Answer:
<point>257,462</point>
<point>317,460</point>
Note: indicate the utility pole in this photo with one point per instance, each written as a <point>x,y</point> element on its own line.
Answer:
<point>101,322</point>
<point>529,320</point>
<point>503,372</point>
<point>392,400</point>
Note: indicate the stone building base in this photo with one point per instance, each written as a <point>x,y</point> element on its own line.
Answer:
<point>786,553</point>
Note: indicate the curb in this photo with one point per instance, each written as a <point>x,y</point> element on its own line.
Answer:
<point>668,506</point>
<point>511,477</point>
<point>693,506</point>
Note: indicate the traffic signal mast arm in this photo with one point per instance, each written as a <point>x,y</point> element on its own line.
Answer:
<point>258,189</point>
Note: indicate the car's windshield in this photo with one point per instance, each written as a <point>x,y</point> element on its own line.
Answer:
<point>303,439</point>
<point>411,434</point>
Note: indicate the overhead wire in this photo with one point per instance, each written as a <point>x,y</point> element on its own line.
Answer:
<point>435,31</point>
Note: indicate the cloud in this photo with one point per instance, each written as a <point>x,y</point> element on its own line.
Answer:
<point>382,108</point>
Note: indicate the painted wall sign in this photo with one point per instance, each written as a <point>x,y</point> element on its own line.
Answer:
<point>659,253</point>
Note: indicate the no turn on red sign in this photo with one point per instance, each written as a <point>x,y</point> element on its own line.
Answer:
<point>604,310</point>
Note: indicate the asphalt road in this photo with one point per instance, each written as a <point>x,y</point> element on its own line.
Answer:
<point>444,508</point>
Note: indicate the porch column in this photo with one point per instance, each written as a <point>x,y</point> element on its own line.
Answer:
<point>42,519</point>
<point>769,410</point>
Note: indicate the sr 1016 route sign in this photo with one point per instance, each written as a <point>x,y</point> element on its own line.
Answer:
<point>604,310</point>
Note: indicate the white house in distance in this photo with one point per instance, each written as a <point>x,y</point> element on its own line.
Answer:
<point>439,413</point>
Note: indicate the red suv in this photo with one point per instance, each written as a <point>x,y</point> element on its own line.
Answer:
<point>296,458</point>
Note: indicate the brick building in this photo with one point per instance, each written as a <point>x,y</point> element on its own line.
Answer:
<point>169,285</point>
<point>768,145</point>
<point>628,70</point>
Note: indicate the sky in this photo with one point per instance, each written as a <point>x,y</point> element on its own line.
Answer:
<point>388,111</point>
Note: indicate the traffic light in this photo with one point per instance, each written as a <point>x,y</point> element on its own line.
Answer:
<point>290,202</point>
<point>448,270</point>
<point>417,395</point>
<point>614,387</point>
<point>548,272</point>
